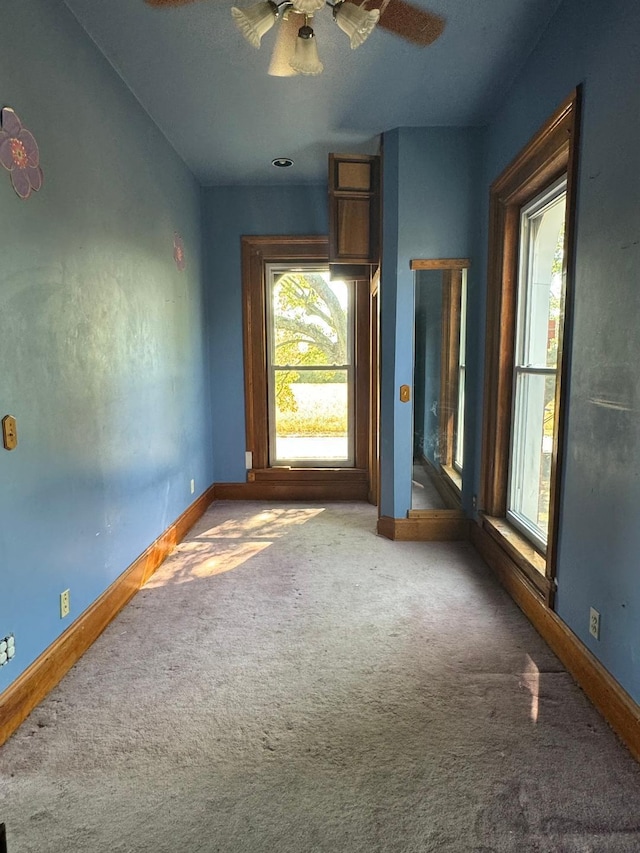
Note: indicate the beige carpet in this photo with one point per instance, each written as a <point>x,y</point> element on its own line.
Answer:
<point>290,682</point>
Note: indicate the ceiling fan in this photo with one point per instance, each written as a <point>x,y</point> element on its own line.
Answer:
<point>295,50</point>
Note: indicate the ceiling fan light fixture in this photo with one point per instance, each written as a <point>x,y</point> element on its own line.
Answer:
<point>308,7</point>
<point>255,21</point>
<point>305,59</point>
<point>356,22</point>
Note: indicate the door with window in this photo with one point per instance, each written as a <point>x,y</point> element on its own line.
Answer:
<point>310,371</point>
<point>307,373</point>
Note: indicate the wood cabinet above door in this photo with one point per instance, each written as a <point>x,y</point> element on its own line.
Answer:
<point>354,208</point>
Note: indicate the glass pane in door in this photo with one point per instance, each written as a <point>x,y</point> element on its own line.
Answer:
<point>312,416</point>
<point>310,335</point>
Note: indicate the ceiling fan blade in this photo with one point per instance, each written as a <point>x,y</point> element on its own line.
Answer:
<point>410,22</point>
<point>285,45</point>
<point>168,2</point>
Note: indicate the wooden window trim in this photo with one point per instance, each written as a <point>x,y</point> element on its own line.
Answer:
<point>440,263</point>
<point>374,389</point>
<point>257,252</point>
<point>452,269</point>
<point>454,478</point>
<point>551,153</point>
<point>450,357</point>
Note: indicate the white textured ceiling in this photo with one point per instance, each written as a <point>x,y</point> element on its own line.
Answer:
<point>208,91</point>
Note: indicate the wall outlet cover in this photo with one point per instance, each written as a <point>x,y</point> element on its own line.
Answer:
<point>594,623</point>
<point>65,603</point>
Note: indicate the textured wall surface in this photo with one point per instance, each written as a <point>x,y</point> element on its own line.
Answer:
<point>599,531</point>
<point>432,209</point>
<point>230,213</point>
<point>101,337</point>
<point>431,213</point>
<point>126,377</point>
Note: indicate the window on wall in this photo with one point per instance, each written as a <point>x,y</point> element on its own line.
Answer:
<point>531,217</point>
<point>310,371</point>
<point>539,312</point>
<point>458,453</point>
<point>453,369</point>
<point>307,375</point>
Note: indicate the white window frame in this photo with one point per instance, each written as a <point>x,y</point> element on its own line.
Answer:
<point>272,273</point>
<point>521,370</point>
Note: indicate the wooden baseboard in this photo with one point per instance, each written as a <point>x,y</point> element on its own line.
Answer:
<point>440,525</point>
<point>283,490</point>
<point>614,703</point>
<point>30,688</point>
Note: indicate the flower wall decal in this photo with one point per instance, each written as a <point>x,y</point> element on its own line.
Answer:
<point>178,251</point>
<point>19,154</point>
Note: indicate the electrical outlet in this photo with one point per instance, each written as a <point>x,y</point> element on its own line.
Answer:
<point>7,649</point>
<point>474,502</point>
<point>65,603</point>
<point>193,486</point>
<point>594,623</point>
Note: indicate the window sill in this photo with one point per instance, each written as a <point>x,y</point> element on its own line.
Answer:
<point>521,553</point>
<point>307,474</point>
<point>454,477</point>
<point>306,484</point>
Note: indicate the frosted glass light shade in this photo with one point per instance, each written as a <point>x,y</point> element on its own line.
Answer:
<point>255,21</point>
<point>305,59</point>
<point>308,6</point>
<point>356,22</point>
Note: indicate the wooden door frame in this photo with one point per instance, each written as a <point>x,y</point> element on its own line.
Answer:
<point>289,483</point>
<point>374,405</point>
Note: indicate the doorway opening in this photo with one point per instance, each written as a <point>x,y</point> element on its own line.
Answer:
<point>310,371</point>
<point>307,340</point>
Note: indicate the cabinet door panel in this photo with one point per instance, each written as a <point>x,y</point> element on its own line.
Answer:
<point>354,219</point>
<point>354,176</point>
<point>353,227</point>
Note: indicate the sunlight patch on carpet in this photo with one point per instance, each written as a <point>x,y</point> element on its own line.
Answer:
<point>196,562</point>
<point>269,523</point>
<point>531,680</point>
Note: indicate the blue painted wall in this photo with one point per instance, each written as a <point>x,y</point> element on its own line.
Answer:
<point>430,210</point>
<point>101,337</point>
<point>597,45</point>
<point>231,213</point>
<point>388,313</point>
<point>434,207</point>
<point>126,376</point>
